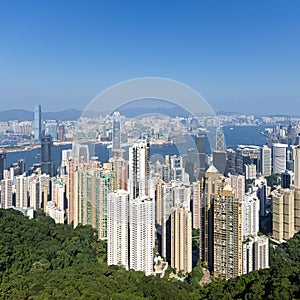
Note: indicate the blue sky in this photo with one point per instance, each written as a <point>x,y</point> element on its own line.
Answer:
<point>240,55</point>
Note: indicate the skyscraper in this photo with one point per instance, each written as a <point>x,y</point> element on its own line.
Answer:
<point>227,235</point>
<point>47,160</point>
<point>116,132</point>
<point>2,164</point>
<point>117,228</point>
<point>51,129</point>
<point>141,232</point>
<point>279,158</point>
<point>37,123</point>
<point>283,214</point>
<point>265,161</point>
<point>181,240</point>
<point>139,169</point>
<point>201,151</point>
<point>297,187</point>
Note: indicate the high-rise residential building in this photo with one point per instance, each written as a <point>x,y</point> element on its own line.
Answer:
<point>2,164</point>
<point>174,194</point>
<point>94,185</point>
<point>142,234</point>
<point>37,123</point>
<point>177,169</point>
<point>181,240</point>
<point>197,203</point>
<point>255,253</point>
<point>139,171</point>
<point>237,183</point>
<point>212,184</point>
<point>22,191</point>
<point>279,158</point>
<point>47,159</point>
<point>297,166</point>
<point>118,166</point>
<point>265,161</point>
<point>250,211</point>
<point>118,229</point>
<point>227,235</point>
<point>51,129</point>
<point>283,214</point>
<point>6,193</point>
<point>116,132</point>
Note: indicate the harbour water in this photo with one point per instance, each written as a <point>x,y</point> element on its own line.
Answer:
<point>234,135</point>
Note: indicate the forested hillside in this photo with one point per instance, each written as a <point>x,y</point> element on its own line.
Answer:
<point>42,260</point>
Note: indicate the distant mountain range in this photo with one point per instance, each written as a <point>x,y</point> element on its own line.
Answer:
<point>25,115</point>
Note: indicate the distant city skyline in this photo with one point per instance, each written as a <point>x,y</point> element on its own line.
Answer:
<point>239,56</point>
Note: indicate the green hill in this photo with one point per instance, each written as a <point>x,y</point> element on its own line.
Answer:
<point>42,260</point>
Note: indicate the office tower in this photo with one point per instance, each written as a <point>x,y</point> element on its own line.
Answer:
<point>283,214</point>
<point>247,154</point>
<point>22,191</point>
<point>201,151</point>
<point>250,171</point>
<point>37,123</point>
<point>177,169</point>
<point>181,240</point>
<point>230,162</point>
<point>141,231</point>
<point>116,133</point>
<point>139,169</point>
<point>265,161</point>
<point>117,228</point>
<point>237,183</point>
<point>51,129</point>
<point>279,158</point>
<point>2,164</point>
<point>220,140</point>
<point>6,193</point>
<point>47,163</point>
<point>227,235</point>
<point>286,179</point>
<point>219,161</point>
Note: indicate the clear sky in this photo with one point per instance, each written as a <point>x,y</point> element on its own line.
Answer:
<point>240,55</point>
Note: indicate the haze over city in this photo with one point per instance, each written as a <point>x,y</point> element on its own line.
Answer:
<point>239,56</point>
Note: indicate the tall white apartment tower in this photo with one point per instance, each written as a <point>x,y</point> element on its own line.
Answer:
<point>279,158</point>
<point>117,228</point>
<point>142,234</point>
<point>139,170</point>
<point>297,188</point>
<point>265,161</point>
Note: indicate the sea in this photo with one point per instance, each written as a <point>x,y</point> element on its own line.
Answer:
<point>234,135</point>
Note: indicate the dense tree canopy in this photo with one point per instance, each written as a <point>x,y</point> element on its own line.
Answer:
<point>42,260</point>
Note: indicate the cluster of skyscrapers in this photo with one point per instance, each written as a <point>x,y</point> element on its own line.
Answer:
<point>147,211</point>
